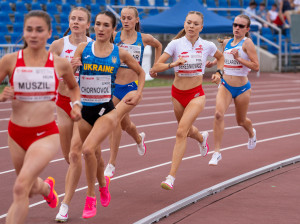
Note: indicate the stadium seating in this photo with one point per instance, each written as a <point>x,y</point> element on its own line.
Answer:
<point>19,17</point>
<point>100,2</point>
<point>36,6</point>
<point>16,38</point>
<point>2,39</point>
<point>4,18</point>
<point>51,8</point>
<point>129,2</point>
<point>211,3</point>
<point>20,7</point>
<point>3,29</point>
<point>5,7</point>
<point>66,8</point>
<point>159,3</point>
<point>18,27</point>
<point>144,3</point>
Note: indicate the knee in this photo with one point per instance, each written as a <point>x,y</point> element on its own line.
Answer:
<point>181,133</point>
<point>219,116</point>
<point>20,189</point>
<point>74,157</point>
<point>87,152</point>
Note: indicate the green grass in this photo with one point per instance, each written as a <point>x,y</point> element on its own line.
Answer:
<point>2,87</point>
<point>158,82</point>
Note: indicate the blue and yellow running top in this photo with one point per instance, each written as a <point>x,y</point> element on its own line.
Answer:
<point>97,75</point>
<point>136,49</point>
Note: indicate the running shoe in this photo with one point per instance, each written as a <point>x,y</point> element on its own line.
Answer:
<point>90,207</point>
<point>141,148</point>
<point>62,215</point>
<point>168,183</point>
<point>216,157</point>
<point>204,148</point>
<point>109,170</point>
<point>52,198</point>
<point>252,141</point>
<point>104,193</point>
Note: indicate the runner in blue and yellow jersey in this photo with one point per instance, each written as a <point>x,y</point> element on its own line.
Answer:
<point>100,62</point>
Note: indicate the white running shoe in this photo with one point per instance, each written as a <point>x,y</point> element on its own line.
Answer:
<point>141,148</point>
<point>204,148</point>
<point>62,215</point>
<point>168,183</point>
<point>252,141</point>
<point>109,170</point>
<point>216,157</point>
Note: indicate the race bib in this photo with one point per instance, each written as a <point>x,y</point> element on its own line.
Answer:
<point>193,65</point>
<point>95,89</point>
<point>230,63</point>
<point>34,83</point>
<point>134,50</point>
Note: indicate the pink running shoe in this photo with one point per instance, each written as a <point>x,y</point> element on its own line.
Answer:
<point>52,198</point>
<point>104,193</point>
<point>90,207</point>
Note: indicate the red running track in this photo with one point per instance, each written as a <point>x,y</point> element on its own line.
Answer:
<point>135,189</point>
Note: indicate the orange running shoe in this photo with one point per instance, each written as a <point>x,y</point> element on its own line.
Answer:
<point>52,198</point>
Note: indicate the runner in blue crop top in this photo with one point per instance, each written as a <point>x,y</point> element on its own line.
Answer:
<point>99,65</point>
<point>130,39</point>
<point>240,57</point>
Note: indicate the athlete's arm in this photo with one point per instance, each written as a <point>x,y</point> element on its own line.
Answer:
<point>64,68</point>
<point>249,48</point>
<point>150,40</point>
<point>76,61</point>
<point>161,66</point>
<point>210,64</point>
<point>6,68</point>
<point>134,65</point>
<point>220,64</point>
<point>57,46</point>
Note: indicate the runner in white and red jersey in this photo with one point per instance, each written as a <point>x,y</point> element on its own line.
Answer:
<point>240,57</point>
<point>79,23</point>
<point>189,53</point>
<point>33,134</point>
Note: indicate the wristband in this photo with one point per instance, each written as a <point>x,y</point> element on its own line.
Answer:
<point>77,102</point>
<point>169,66</point>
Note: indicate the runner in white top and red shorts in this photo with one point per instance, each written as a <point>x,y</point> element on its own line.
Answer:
<point>79,23</point>
<point>189,53</point>
<point>240,57</point>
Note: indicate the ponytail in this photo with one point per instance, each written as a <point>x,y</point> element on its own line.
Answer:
<point>180,34</point>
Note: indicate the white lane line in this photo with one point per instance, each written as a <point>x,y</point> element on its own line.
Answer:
<point>173,137</point>
<point>164,164</point>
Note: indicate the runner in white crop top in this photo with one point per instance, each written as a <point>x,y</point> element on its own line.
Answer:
<point>240,57</point>
<point>79,23</point>
<point>189,54</point>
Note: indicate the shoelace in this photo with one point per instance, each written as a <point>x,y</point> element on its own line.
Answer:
<point>89,205</point>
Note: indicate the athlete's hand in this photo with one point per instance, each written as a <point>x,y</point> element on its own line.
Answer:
<point>216,78</point>
<point>76,113</point>
<point>133,99</point>
<point>152,74</point>
<point>235,53</point>
<point>179,61</point>
<point>209,64</point>
<point>7,93</point>
<point>76,62</point>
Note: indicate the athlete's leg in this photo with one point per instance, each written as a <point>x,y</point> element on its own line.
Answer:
<point>75,167</point>
<point>65,126</point>
<point>188,116</point>
<point>223,101</point>
<point>241,107</point>
<point>128,126</point>
<point>114,139</point>
<point>101,129</point>
<point>27,183</point>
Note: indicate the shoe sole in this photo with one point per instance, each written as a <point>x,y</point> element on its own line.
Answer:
<point>61,221</point>
<point>166,186</point>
